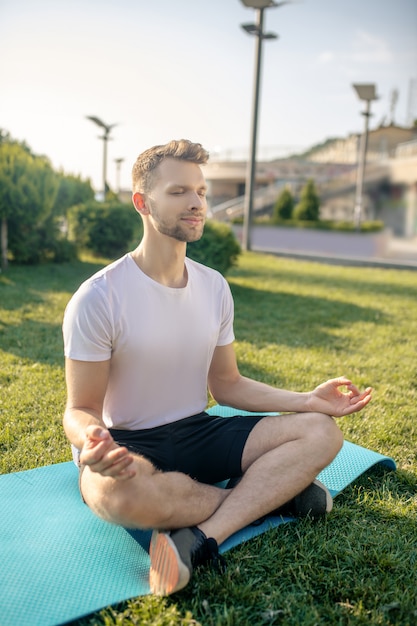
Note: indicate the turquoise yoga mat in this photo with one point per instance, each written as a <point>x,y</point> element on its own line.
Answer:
<point>59,562</point>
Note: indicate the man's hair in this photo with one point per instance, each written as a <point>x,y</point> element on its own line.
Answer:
<point>143,172</point>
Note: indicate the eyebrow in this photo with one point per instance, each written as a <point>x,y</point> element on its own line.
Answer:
<point>181,186</point>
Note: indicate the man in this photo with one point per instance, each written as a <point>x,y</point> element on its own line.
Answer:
<point>144,338</point>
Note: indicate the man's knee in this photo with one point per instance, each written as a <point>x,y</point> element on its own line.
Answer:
<point>134,503</point>
<point>326,436</point>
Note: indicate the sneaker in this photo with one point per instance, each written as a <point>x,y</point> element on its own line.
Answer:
<point>174,555</point>
<point>314,501</point>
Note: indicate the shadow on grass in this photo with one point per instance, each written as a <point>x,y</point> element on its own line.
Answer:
<point>34,341</point>
<point>381,481</point>
<point>24,289</point>
<point>264,317</point>
<point>24,285</point>
<point>324,278</point>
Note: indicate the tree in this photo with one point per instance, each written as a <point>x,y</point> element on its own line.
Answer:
<point>283,207</point>
<point>15,162</point>
<point>28,189</point>
<point>309,206</point>
<point>34,203</point>
<point>72,190</point>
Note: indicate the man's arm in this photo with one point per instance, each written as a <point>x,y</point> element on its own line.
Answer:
<point>86,387</point>
<point>83,423</point>
<point>229,387</point>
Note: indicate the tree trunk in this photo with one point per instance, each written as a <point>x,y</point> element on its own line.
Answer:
<point>4,244</point>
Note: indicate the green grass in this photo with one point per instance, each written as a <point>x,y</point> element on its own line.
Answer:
<point>297,324</point>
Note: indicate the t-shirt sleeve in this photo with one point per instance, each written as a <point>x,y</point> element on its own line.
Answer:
<point>226,334</point>
<point>87,325</point>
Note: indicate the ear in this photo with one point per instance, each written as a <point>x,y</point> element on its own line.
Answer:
<point>139,203</point>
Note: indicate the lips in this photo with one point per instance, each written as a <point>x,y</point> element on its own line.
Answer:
<point>193,219</point>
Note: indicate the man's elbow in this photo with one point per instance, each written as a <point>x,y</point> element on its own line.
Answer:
<point>68,424</point>
<point>222,391</point>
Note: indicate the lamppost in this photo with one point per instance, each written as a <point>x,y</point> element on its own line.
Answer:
<point>106,135</point>
<point>257,30</point>
<point>118,165</point>
<point>366,92</point>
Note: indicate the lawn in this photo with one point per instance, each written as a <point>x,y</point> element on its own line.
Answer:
<point>296,324</point>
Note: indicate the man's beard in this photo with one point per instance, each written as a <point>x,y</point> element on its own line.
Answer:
<point>176,231</point>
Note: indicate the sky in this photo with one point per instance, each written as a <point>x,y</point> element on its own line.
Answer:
<point>171,69</point>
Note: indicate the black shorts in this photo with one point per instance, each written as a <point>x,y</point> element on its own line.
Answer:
<point>207,448</point>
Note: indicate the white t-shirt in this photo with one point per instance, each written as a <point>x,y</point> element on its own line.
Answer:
<point>160,339</point>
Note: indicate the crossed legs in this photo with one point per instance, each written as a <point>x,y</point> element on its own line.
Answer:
<point>282,455</point>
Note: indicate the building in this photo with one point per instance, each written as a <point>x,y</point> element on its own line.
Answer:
<point>390,185</point>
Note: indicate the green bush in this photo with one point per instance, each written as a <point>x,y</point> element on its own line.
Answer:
<point>39,243</point>
<point>63,251</point>
<point>106,229</point>
<point>283,207</point>
<point>218,248</point>
<point>371,226</point>
<point>308,207</point>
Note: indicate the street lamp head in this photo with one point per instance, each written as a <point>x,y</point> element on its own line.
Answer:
<point>99,122</point>
<point>264,4</point>
<point>253,29</point>
<point>366,91</point>
<point>258,4</point>
<point>96,120</point>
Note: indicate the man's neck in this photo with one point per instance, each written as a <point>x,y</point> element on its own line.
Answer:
<point>164,263</point>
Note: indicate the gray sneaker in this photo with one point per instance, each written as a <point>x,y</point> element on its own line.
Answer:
<point>314,501</point>
<point>174,555</point>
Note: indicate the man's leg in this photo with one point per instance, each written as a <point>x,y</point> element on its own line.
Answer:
<point>281,457</point>
<point>151,499</point>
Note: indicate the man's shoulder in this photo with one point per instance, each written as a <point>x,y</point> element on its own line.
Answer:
<point>204,271</point>
<point>111,271</point>
<point>104,282</point>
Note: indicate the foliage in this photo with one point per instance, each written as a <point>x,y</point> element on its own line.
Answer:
<point>110,229</point>
<point>29,186</point>
<point>369,226</point>
<point>72,190</point>
<point>106,229</point>
<point>283,207</point>
<point>309,205</point>
<point>33,202</point>
<point>296,324</point>
<point>218,248</point>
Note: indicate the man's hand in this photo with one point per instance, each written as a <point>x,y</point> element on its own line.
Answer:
<point>328,398</point>
<point>104,456</point>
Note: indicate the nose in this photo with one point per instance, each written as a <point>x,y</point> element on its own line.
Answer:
<point>197,201</point>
